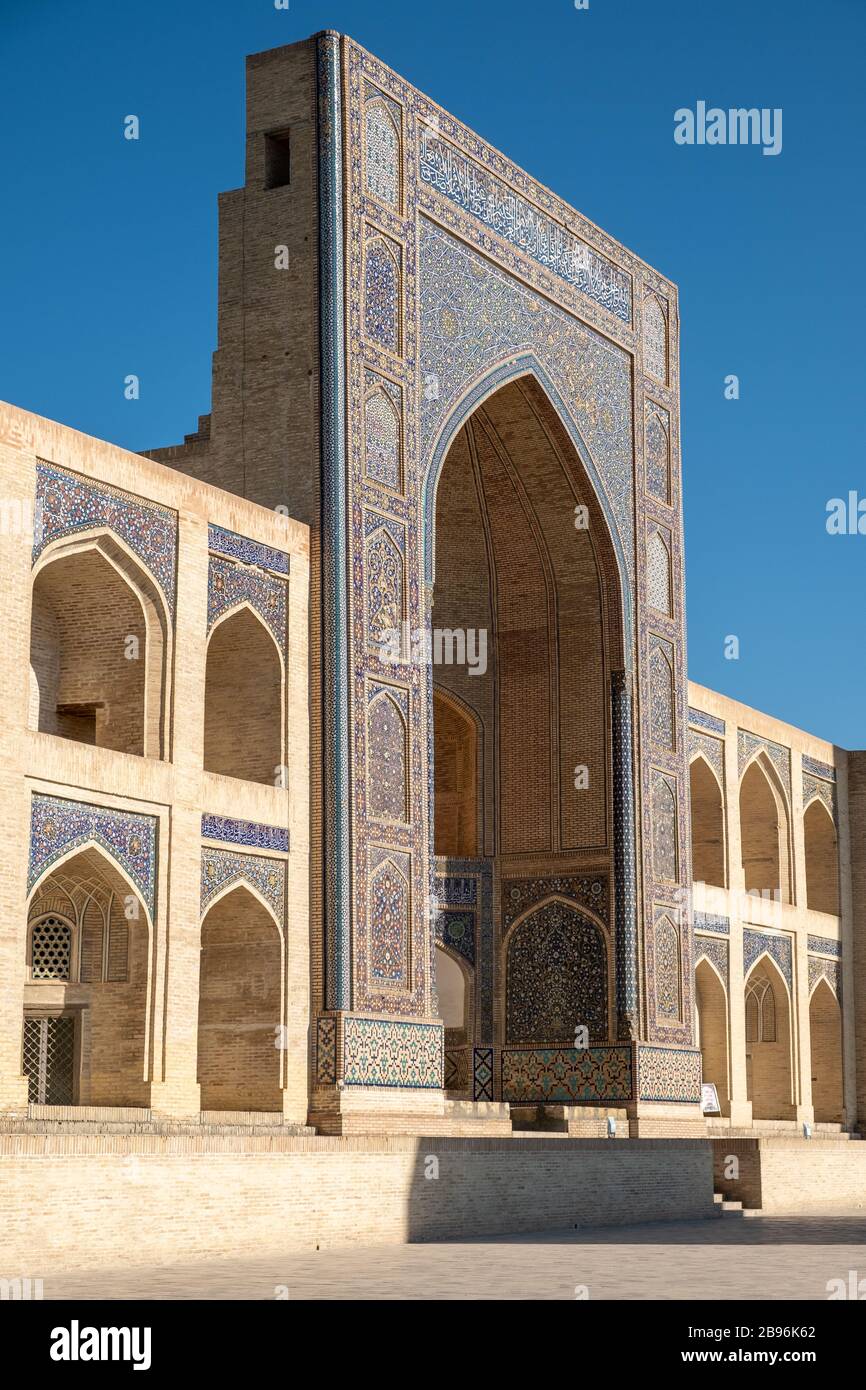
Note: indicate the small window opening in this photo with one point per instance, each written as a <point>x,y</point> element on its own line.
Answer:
<point>278,164</point>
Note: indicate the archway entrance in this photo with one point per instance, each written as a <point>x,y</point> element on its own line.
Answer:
<point>239,1016</point>
<point>86,990</point>
<point>769,1068</point>
<point>712,1031</point>
<point>527,631</point>
<point>825,1030</point>
<point>764,831</point>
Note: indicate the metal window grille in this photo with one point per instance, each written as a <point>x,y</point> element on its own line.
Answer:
<point>49,1059</point>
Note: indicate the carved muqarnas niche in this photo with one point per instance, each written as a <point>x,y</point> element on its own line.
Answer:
<point>556,978</point>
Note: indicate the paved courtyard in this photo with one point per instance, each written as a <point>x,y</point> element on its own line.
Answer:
<point>730,1257</point>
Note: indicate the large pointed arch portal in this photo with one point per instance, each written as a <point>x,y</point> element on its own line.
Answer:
<point>518,477</point>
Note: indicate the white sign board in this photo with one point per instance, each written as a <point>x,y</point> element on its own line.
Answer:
<point>710,1099</point>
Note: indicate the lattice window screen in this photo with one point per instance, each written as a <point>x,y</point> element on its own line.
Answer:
<point>50,949</point>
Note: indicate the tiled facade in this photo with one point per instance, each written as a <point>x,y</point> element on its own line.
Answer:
<point>455,324</point>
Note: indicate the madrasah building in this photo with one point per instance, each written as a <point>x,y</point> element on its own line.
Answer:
<point>267,863</point>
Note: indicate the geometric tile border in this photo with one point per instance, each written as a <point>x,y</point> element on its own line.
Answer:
<point>245,832</point>
<point>248,552</point>
<point>825,946</point>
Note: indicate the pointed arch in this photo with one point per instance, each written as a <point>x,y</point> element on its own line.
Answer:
<point>822,858</point>
<point>390,919</point>
<point>241,1011</point>
<point>556,957</point>
<point>480,389</point>
<point>454,993</point>
<point>387,759</point>
<point>110,970</point>
<point>244,674</point>
<point>385,587</point>
<point>765,830</point>
<point>708,824</point>
<point>100,639</point>
<point>825,1031</point>
<point>711,1001</point>
<point>382,448</point>
<point>381,153</point>
<point>659,578</point>
<point>655,338</point>
<point>382,293</point>
<point>769,1042</point>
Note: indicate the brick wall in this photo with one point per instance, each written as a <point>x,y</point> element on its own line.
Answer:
<point>99,1201</point>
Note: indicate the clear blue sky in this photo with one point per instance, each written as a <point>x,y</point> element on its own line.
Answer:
<point>108,251</point>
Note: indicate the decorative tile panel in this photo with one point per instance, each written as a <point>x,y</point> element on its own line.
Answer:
<point>390,918</point>
<point>567,1074</point>
<point>829,970</point>
<point>817,769</point>
<point>706,721</point>
<point>474,189</point>
<point>387,740</point>
<point>659,571</point>
<point>657,448</point>
<point>712,749</point>
<point>382,296</point>
<point>655,337</point>
<point>383,408</point>
<point>392,1052</point>
<point>247,552</point>
<point>755,943</point>
<point>669,1074</point>
<point>482,1073</point>
<point>661,692</point>
<point>245,832</point>
<point>231,584</point>
<point>715,950</point>
<point>825,791</point>
<point>382,149</point>
<point>587,890</point>
<point>326,1050</point>
<point>664,821</point>
<point>749,744</point>
<point>667,970</point>
<point>67,503</point>
<point>708,921</point>
<point>825,946</point>
<point>58,826</point>
<point>220,867</point>
<point>556,977</point>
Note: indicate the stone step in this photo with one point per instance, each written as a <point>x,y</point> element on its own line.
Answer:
<point>725,1206</point>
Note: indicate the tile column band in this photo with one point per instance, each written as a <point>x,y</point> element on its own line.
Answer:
<point>625,893</point>
<point>334,592</point>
